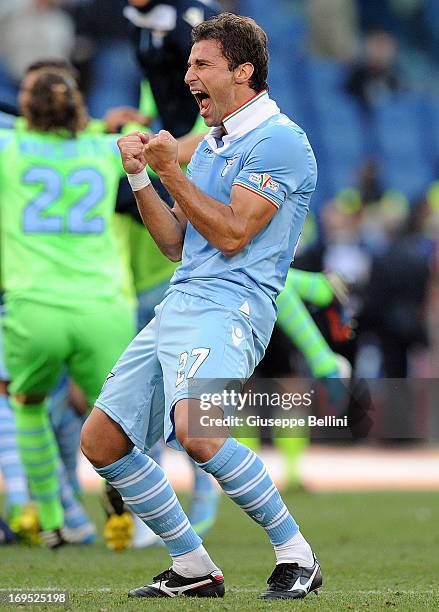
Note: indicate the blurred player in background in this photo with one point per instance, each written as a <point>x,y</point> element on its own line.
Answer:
<point>61,272</point>
<point>67,405</point>
<point>161,35</point>
<point>18,510</point>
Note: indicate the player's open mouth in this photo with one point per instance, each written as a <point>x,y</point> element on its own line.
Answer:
<point>203,100</point>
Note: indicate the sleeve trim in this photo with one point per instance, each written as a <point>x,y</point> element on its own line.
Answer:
<point>257,192</point>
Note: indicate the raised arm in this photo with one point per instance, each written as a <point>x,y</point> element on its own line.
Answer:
<point>228,228</point>
<point>167,226</point>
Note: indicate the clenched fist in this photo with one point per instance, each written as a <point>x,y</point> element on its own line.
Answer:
<point>161,152</point>
<point>132,150</point>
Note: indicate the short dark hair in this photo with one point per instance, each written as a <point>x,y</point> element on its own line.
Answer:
<point>55,102</point>
<point>241,40</point>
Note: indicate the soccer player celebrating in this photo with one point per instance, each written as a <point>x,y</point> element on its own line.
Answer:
<point>61,270</point>
<point>235,225</point>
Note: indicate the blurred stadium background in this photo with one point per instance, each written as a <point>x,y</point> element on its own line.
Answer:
<point>361,77</point>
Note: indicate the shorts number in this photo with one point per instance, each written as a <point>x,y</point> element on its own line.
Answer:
<point>201,355</point>
<point>35,217</point>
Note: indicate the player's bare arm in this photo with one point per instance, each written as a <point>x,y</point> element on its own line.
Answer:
<point>228,228</point>
<point>166,226</point>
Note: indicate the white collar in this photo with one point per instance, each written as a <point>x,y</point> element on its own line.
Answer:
<point>242,120</point>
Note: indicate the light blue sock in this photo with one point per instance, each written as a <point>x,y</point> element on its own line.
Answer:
<point>244,478</point>
<point>75,516</point>
<point>14,476</point>
<point>67,424</point>
<point>146,490</point>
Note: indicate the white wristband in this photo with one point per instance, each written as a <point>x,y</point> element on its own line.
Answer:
<point>139,181</point>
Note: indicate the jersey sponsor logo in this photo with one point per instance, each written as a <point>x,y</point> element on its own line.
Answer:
<point>229,163</point>
<point>264,181</point>
<point>237,336</point>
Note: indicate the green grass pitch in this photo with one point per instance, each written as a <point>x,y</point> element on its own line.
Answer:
<point>378,551</point>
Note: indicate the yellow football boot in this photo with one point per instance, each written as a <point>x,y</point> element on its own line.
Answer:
<point>119,531</point>
<point>26,525</point>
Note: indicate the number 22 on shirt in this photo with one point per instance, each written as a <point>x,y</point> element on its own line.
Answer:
<point>79,218</point>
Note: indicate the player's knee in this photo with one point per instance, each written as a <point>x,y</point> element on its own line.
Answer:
<point>88,443</point>
<point>197,449</point>
<point>181,431</point>
<point>102,440</point>
<point>193,446</point>
<point>91,442</point>
<point>201,449</point>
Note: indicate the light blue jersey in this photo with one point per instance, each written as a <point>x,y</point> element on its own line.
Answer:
<point>267,154</point>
